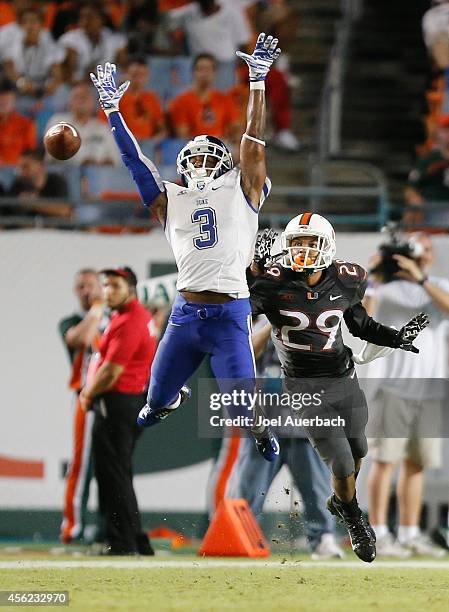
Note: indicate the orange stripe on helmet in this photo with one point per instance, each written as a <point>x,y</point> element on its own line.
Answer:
<point>305,218</point>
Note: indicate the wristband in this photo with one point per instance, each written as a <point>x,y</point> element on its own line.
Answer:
<point>257,85</point>
<point>423,280</point>
<point>261,142</point>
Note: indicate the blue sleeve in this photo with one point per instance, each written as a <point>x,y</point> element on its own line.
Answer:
<point>144,172</point>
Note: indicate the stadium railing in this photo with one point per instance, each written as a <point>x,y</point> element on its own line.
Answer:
<point>328,135</point>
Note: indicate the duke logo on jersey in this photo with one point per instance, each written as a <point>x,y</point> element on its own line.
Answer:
<point>213,237</point>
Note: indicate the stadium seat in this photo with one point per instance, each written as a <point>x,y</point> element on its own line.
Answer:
<point>168,150</point>
<point>104,181</point>
<point>72,174</point>
<point>7,174</point>
<point>148,148</point>
<point>169,75</point>
<point>42,118</point>
<point>105,211</point>
<point>168,173</point>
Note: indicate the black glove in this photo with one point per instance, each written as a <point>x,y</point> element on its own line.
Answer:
<point>410,331</point>
<point>262,249</point>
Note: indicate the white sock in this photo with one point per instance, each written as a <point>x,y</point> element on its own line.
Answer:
<point>407,533</point>
<point>380,530</point>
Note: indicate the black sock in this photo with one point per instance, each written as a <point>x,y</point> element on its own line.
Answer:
<point>349,508</point>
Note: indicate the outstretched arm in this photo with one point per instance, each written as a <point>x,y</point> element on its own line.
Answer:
<point>252,146</point>
<point>361,325</point>
<point>143,171</point>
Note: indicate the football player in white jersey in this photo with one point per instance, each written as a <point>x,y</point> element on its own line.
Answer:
<point>211,224</point>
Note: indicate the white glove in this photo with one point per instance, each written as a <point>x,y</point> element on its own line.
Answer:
<point>264,54</point>
<point>110,94</point>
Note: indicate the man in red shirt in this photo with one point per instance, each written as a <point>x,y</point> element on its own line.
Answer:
<point>116,391</point>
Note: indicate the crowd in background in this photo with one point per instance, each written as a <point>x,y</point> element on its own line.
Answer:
<point>178,55</point>
<point>428,185</point>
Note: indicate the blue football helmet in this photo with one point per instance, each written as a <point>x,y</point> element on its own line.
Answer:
<point>217,160</point>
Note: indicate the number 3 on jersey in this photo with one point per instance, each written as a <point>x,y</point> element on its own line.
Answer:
<point>207,220</point>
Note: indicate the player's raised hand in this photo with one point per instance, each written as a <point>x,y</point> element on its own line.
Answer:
<point>410,331</point>
<point>264,54</point>
<point>262,248</point>
<point>110,95</point>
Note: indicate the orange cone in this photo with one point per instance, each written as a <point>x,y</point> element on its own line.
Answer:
<point>234,532</point>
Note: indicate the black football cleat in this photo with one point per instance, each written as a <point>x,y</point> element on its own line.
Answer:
<point>152,416</point>
<point>363,538</point>
<point>267,444</point>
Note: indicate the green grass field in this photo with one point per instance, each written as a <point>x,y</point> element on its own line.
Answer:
<point>182,583</point>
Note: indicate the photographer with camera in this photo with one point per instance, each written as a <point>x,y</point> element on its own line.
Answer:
<point>407,402</point>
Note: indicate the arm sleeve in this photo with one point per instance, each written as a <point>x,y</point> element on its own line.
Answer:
<point>122,345</point>
<point>361,325</point>
<point>143,171</point>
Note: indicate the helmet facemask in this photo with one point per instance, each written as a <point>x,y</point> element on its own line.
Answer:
<point>216,160</point>
<point>312,256</point>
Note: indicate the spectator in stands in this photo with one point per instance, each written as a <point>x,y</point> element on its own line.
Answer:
<point>33,179</point>
<point>140,107</point>
<point>141,24</point>
<point>436,36</point>
<point>279,17</point>
<point>203,109</point>
<point>91,44</point>
<point>98,146</point>
<point>33,59</point>
<point>10,11</point>
<point>8,32</point>
<point>115,392</point>
<point>429,179</point>
<point>216,29</point>
<point>17,133</point>
<point>278,96</point>
<point>405,408</point>
<point>436,33</point>
<point>65,18</point>
<point>32,182</point>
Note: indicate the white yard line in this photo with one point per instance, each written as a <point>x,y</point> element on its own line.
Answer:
<point>219,563</point>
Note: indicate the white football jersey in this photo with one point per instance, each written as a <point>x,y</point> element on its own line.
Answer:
<point>212,233</point>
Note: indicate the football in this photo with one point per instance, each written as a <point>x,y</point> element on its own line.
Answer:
<point>62,141</point>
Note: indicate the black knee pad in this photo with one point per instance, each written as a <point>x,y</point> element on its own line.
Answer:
<point>336,454</point>
<point>359,447</point>
<point>342,465</point>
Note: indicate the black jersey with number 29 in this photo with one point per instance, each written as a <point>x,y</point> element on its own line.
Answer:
<point>306,321</point>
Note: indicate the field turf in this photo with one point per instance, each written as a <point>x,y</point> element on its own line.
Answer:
<point>182,583</point>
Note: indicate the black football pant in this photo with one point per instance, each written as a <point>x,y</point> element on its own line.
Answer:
<point>115,433</point>
<point>339,446</point>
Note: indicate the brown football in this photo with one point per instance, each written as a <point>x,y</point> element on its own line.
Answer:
<point>62,141</point>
